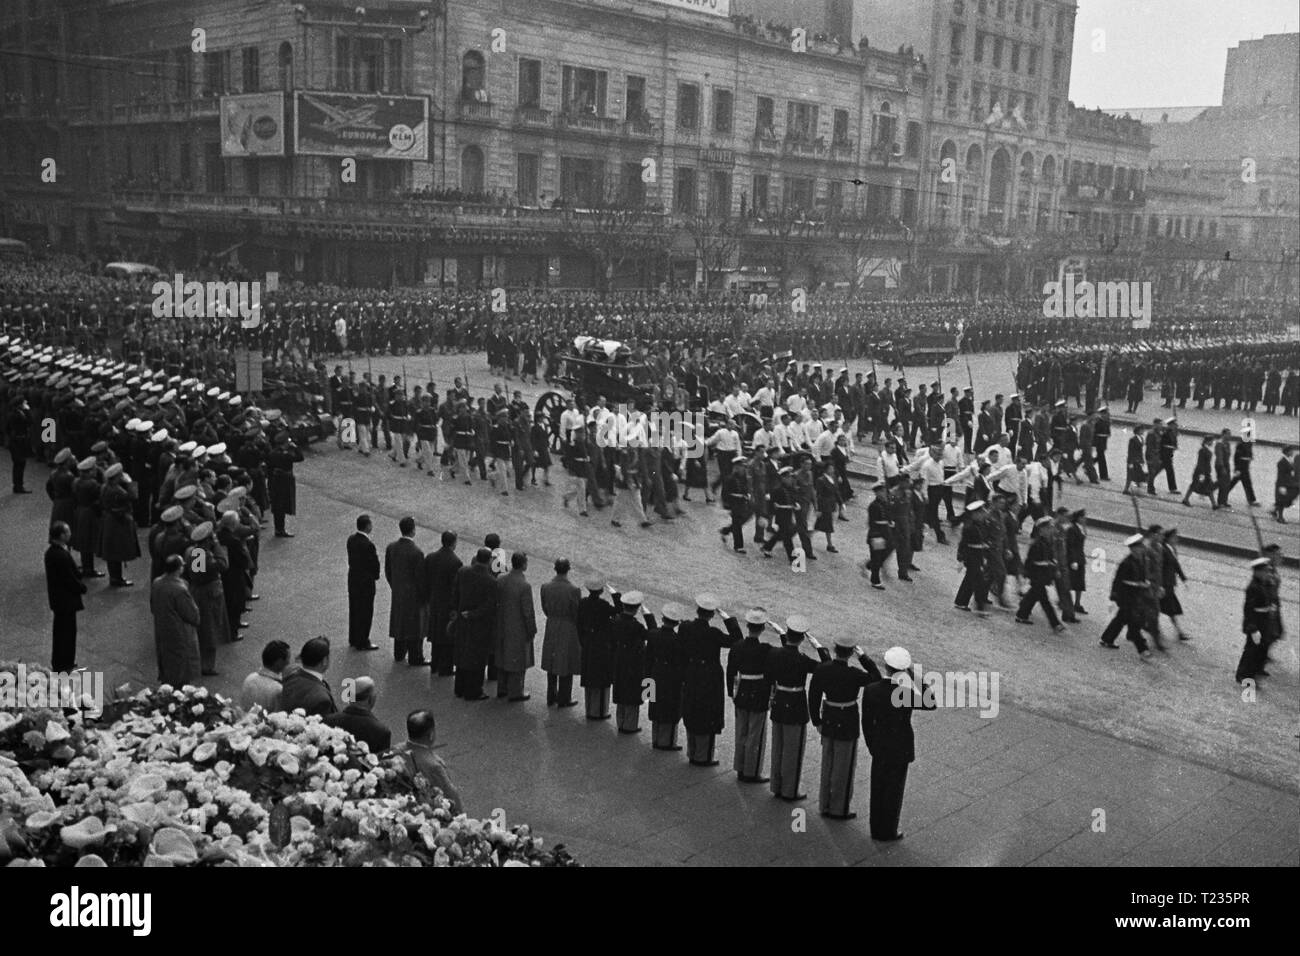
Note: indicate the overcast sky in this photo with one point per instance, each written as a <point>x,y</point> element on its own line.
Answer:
<point>1165,52</point>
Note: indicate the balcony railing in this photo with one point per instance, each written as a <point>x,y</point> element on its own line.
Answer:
<point>587,123</point>
<point>533,116</point>
<point>766,144</point>
<point>475,112</point>
<point>800,146</point>
<point>842,152</point>
<point>642,128</point>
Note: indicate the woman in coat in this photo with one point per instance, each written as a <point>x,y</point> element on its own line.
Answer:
<point>1202,482</point>
<point>1171,573</point>
<point>1076,535</point>
<point>1136,460</point>
<point>561,649</point>
<point>175,619</point>
<point>541,447</point>
<point>828,503</point>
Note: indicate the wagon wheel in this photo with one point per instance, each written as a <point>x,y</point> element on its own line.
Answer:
<point>551,404</point>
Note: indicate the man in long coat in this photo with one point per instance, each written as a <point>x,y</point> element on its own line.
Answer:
<point>175,625</point>
<point>283,485</point>
<point>404,572</point>
<point>561,649</point>
<point>118,540</point>
<point>629,639</point>
<point>704,692</point>
<point>475,603</point>
<point>665,665</point>
<point>205,561</point>
<point>440,569</point>
<point>516,628</point>
<point>594,617</point>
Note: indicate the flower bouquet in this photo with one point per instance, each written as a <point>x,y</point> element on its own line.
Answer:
<point>180,777</point>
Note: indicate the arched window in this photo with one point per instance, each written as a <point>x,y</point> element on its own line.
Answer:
<point>1027,168</point>
<point>975,160</point>
<point>285,65</point>
<point>471,170</point>
<point>1049,169</point>
<point>473,77</point>
<point>884,107</point>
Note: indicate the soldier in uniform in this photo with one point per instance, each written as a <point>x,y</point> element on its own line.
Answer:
<point>972,552</point>
<point>1260,622</point>
<point>1128,591</point>
<point>628,635</point>
<point>788,669</point>
<point>750,691</point>
<point>833,709</point>
<point>887,707</point>
<point>1041,567</point>
<point>666,666</point>
<point>704,682</point>
<point>595,616</point>
<point>283,485</point>
<point>118,539</point>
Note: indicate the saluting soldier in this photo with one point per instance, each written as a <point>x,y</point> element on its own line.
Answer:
<point>283,484</point>
<point>887,707</point>
<point>595,615</point>
<point>704,682</point>
<point>788,669</point>
<point>666,667</point>
<point>118,540</point>
<point>628,636</point>
<point>750,690</point>
<point>833,708</point>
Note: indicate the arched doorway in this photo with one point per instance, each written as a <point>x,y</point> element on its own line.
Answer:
<point>999,187</point>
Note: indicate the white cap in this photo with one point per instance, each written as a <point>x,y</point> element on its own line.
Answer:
<point>707,602</point>
<point>675,612</point>
<point>846,640</point>
<point>898,658</point>
<point>797,623</point>
<point>1260,563</point>
<point>1132,540</point>
<point>974,506</point>
<point>756,615</point>
<point>218,449</point>
<point>632,598</point>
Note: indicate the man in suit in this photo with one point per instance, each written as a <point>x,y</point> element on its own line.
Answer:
<point>516,629</point>
<point>474,600</point>
<point>887,728</point>
<point>404,572</point>
<point>363,572</point>
<point>561,649</point>
<point>306,686</point>
<point>64,587</point>
<point>358,717</point>
<point>19,428</point>
<point>418,755</point>
<point>440,569</point>
<point>175,625</point>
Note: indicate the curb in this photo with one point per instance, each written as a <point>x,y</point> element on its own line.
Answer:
<point>1201,544</point>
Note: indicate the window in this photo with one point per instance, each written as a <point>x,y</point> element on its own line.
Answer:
<point>685,189</point>
<point>1020,11</point>
<point>285,64</point>
<point>1002,9</point>
<point>979,46</point>
<point>527,173</point>
<point>722,111</point>
<point>840,129</point>
<point>473,77</point>
<point>1038,15</point>
<point>877,203</point>
<point>955,39</point>
<point>1031,66</point>
<point>216,71</point>
<point>631,185</point>
<point>997,53</point>
<point>582,180</point>
<point>765,118</point>
<point>909,206</point>
<point>800,191</point>
<point>1015,57</point>
<point>1053,107</point>
<point>530,83</point>
<point>688,106</point>
<point>977,102</point>
<point>835,195</point>
<point>950,99</point>
<point>214,168</point>
<point>883,127</point>
<point>250,65</point>
<point>913,147</point>
<point>367,64</point>
<point>1056,68</point>
<point>760,192</point>
<point>636,111</point>
<point>719,194</point>
<point>1214,229</point>
<point>471,169</point>
<point>583,91</point>
<point>801,122</point>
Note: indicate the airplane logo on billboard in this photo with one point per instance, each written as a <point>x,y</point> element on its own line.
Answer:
<point>337,119</point>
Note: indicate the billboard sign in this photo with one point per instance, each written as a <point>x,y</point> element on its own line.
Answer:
<point>252,124</point>
<point>362,125</point>
<point>716,8</point>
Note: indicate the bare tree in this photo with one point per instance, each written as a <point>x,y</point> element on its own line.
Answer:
<point>715,238</point>
<point>788,236</point>
<point>616,229</point>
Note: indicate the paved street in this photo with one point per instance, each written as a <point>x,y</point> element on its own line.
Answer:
<point>1185,770</point>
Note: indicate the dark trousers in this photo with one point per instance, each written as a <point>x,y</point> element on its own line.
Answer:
<point>973,584</point>
<point>597,701</point>
<point>878,558</point>
<point>945,494</point>
<point>1243,478</point>
<point>1102,468</point>
<point>20,466</point>
<point>1167,463</point>
<point>559,689</point>
<point>115,571</point>
<point>1130,617</point>
<point>442,659</point>
<point>888,779</point>
<point>469,681</point>
<point>361,613</point>
<point>1252,659</point>
<point>737,528</point>
<point>784,533</point>
<point>64,656</point>
<point>88,561</point>
<point>1037,594</point>
<point>935,494</point>
<point>279,521</point>
<point>1223,481</point>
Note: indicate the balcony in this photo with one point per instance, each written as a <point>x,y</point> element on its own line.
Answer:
<point>842,152</point>
<point>804,146</point>
<point>587,123</point>
<point>766,144</point>
<point>640,128</point>
<point>472,111</point>
<point>160,111</point>
<point>533,116</point>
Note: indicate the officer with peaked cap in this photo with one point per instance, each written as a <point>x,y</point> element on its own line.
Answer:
<point>628,636</point>
<point>788,669</point>
<point>86,490</point>
<point>63,505</point>
<point>205,560</point>
<point>1261,621</point>
<point>666,668</point>
<point>887,729</point>
<point>594,617</point>
<point>833,709</point>
<point>751,691</point>
<point>118,538</point>
<point>1128,591</point>
<point>169,536</point>
<point>704,681</point>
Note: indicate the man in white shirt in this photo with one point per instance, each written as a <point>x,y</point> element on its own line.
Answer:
<point>1008,479</point>
<point>725,443</point>
<point>796,404</point>
<point>733,405</point>
<point>813,425</point>
<point>765,397</point>
<point>263,687</point>
<point>929,467</point>
<point>571,420</point>
<point>825,443</point>
<point>762,438</point>
<point>1035,481</point>
<point>781,432</point>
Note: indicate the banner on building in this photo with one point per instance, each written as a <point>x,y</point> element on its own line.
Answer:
<point>717,8</point>
<point>361,125</point>
<point>252,124</point>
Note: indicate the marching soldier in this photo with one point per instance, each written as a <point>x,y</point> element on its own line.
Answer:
<point>1128,591</point>
<point>833,708</point>
<point>1260,622</point>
